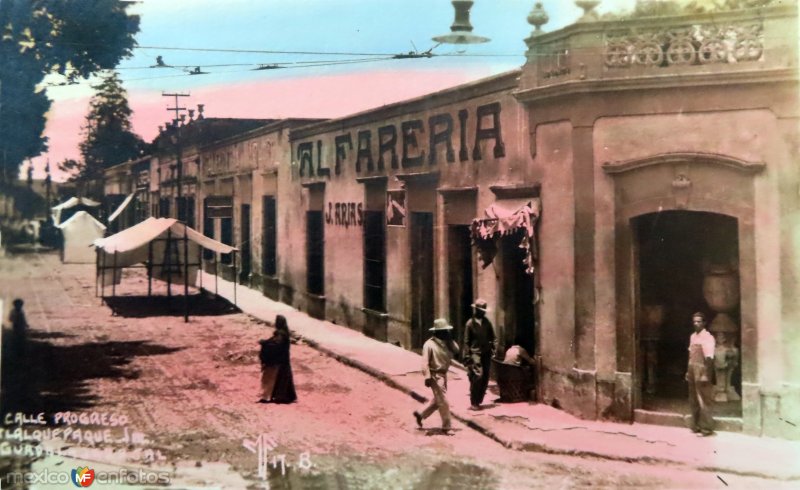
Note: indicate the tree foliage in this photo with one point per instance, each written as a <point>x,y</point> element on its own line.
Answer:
<point>108,139</point>
<point>75,38</point>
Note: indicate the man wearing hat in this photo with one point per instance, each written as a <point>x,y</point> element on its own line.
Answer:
<point>437,353</point>
<point>479,346</point>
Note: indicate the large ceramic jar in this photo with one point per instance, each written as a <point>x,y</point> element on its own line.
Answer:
<point>652,320</point>
<point>721,289</point>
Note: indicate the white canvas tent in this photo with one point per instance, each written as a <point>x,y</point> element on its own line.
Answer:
<point>170,250</point>
<point>80,231</point>
<point>71,203</point>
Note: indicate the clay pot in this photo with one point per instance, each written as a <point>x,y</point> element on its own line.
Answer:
<point>652,319</point>
<point>721,290</point>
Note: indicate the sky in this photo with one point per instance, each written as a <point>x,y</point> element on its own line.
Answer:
<point>249,33</point>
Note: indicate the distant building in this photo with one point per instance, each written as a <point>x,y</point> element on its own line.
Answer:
<point>238,187</point>
<point>176,180</point>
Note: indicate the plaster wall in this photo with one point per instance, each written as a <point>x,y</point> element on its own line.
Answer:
<point>753,136</point>
<point>438,138</point>
<point>553,167</point>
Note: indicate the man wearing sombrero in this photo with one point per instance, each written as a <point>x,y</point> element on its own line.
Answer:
<point>437,353</point>
<point>479,346</point>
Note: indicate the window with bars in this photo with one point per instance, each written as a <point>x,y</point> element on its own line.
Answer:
<point>315,252</point>
<point>269,238</point>
<point>374,261</point>
<point>186,210</point>
<point>142,204</point>
<point>163,207</point>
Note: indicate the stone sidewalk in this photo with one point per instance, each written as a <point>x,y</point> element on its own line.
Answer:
<point>530,426</point>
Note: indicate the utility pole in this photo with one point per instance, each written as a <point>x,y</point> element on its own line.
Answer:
<point>176,127</point>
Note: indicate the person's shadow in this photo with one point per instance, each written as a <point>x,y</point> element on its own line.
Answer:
<point>41,376</point>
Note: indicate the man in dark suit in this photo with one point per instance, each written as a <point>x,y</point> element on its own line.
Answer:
<point>479,345</point>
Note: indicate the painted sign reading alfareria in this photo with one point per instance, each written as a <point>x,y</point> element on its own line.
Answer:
<point>413,144</point>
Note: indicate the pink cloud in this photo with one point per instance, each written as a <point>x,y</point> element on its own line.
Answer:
<point>332,95</point>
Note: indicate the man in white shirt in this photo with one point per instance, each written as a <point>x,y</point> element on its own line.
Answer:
<point>700,375</point>
<point>437,353</point>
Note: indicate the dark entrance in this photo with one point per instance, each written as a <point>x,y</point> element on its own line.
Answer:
<point>459,268</point>
<point>247,260</point>
<point>421,276</point>
<point>517,295</point>
<point>269,238</point>
<point>208,230</point>
<point>226,237</point>
<point>677,250</point>
<point>315,252</point>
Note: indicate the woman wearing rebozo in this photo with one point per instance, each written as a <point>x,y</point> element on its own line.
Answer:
<point>277,384</point>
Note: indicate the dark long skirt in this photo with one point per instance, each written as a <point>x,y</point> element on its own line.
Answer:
<point>277,384</point>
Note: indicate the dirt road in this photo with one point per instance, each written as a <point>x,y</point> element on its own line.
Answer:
<point>187,395</point>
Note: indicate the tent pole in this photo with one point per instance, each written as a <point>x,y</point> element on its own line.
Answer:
<point>235,278</point>
<point>185,273</point>
<point>96,270</point>
<point>114,277</point>
<point>103,278</point>
<point>150,268</point>
<point>200,266</point>
<point>216,276</point>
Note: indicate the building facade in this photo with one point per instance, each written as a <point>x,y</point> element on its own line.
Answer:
<point>669,145</point>
<point>177,163</point>
<point>634,170</point>
<point>238,191</point>
<point>380,207</point>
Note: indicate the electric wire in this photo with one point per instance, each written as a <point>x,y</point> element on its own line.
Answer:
<point>289,65</point>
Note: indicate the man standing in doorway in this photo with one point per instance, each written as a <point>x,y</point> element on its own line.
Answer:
<point>479,346</point>
<point>700,375</point>
<point>437,352</point>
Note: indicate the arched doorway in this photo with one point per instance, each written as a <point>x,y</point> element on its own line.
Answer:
<point>685,261</point>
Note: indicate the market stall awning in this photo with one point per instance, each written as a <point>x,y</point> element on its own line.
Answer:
<point>170,249</point>
<point>121,207</point>
<point>505,217</point>
<point>141,234</point>
<point>71,203</point>
<point>79,233</point>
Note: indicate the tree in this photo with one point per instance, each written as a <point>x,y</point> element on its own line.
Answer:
<point>108,139</point>
<point>70,166</point>
<point>75,38</point>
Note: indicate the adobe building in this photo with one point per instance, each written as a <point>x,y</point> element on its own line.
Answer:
<point>176,161</point>
<point>668,146</point>
<point>635,170</point>
<point>238,184</point>
<point>380,209</point>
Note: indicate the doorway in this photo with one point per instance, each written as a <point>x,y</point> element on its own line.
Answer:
<point>421,228</point>
<point>517,295</point>
<point>244,276</point>
<point>678,251</point>
<point>269,238</point>
<point>459,277</point>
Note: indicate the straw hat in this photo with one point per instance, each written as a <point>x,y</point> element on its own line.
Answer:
<point>440,324</point>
